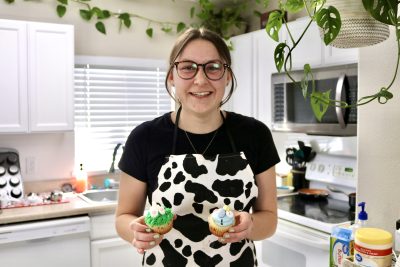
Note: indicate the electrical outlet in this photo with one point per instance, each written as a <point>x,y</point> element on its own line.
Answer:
<point>30,165</point>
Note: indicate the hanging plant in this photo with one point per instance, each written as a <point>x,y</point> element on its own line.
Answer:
<point>89,13</point>
<point>328,18</point>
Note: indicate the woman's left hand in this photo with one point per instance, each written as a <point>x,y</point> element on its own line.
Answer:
<point>242,229</point>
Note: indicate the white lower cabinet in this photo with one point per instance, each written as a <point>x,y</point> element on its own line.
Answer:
<point>107,249</point>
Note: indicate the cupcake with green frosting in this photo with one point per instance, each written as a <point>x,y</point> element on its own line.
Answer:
<point>159,219</point>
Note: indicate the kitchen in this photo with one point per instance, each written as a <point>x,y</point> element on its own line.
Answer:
<point>376,142</point>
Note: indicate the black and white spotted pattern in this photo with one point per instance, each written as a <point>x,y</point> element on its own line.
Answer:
<point>193,187</point>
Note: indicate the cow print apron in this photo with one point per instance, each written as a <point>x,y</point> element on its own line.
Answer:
<point>193,186</point>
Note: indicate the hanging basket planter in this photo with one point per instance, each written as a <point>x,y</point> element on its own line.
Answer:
<point>358,29</point>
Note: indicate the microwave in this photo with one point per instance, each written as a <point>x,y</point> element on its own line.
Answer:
<point>292,113</point>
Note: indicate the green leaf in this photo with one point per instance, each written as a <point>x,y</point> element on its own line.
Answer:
<point>279,56</point>
<point>64,2</point>
<point>382,10</point>
<point>100,27</point>
<point>274,24</point>
<point>166,28</point>
<point>10,1</point>
<point>180,27</point>
<point>192,12</point>
<point>304,81</point>
<point>294,6</point>
<point>149,32</point>
<point>61,10</point>
<point>320,103</point>
<point>329,20</point>
<point>85,14</point>
<point>257,13</point>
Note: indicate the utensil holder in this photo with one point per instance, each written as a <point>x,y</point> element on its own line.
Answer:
<point>299,179</point>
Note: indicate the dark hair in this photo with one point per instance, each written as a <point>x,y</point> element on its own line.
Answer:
<point>203,34</point>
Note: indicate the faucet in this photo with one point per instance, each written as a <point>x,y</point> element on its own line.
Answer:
<point>112,168</point>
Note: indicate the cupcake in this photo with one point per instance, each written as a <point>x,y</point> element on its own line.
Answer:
<point>159,219</point>
<point>221,220</point>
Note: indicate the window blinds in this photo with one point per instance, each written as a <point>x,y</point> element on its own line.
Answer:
<point>109,103</point>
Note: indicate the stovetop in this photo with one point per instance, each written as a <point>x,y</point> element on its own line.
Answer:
<point>321,214</point>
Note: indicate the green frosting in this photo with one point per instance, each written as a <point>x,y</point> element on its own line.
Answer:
<point>160,219</point>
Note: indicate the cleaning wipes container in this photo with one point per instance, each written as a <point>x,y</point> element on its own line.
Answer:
<point>373,247</point>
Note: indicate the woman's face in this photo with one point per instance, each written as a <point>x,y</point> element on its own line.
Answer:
<point>199,94</point>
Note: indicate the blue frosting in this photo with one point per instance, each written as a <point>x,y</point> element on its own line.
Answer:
<point>220,218</point>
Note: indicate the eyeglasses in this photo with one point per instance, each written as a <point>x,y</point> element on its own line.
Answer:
<point>214,70</point>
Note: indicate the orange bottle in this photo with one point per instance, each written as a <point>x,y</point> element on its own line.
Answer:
<point>81,183</point>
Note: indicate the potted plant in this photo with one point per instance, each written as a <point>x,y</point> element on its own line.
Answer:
<point>328,18</point>
<point>227,20</point>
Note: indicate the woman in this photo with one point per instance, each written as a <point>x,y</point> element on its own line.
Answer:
<point>195,160</point>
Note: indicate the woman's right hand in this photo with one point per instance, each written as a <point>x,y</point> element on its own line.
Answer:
<point>143,237</point>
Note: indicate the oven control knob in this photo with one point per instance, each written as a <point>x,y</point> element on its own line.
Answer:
<point>14,181</point>
<point>321,167</point>
<point>12,159</point>
<point>16,192</point>
<point>13,169</point>
<point>3,182</point>
<point>2,170</point>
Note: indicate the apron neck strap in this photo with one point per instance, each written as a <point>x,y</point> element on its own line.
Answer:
<point>178,115</point>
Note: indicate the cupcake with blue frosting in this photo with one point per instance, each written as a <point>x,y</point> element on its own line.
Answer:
<point>220,220</point>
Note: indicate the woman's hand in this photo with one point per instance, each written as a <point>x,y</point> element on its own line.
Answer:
<point>143,237</point>
<point>242,229</point>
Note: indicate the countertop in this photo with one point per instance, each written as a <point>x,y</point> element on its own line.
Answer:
<point>75,206</point>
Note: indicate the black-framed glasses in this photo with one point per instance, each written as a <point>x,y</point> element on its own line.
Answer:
<point>214,70</point>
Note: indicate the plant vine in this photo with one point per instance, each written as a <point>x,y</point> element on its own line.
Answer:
<point>328,19</point>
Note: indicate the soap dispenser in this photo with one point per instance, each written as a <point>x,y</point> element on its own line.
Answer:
<point>81,180</point>
<point>361,219</point>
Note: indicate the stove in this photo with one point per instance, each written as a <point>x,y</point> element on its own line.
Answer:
<point>11,187</point>
<point>323,213</point>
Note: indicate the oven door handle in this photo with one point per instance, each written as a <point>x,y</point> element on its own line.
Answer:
<point>313,241</point>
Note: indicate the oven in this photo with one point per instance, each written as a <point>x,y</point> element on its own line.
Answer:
<point>302,238</point>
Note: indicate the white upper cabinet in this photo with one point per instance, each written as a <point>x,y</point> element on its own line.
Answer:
<point>36,79</point>
<point>253,63</point>
<point>312,50</point>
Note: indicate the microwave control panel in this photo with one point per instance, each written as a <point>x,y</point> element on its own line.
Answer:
<point>335,169</point>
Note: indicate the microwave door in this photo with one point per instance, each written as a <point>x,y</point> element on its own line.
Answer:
<point>340,114</point>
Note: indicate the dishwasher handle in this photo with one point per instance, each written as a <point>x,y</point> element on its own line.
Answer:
<point>44,229</point>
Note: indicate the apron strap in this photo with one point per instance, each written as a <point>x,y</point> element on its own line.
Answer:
<point>178,115</point>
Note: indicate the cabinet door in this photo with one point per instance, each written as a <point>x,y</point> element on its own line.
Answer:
<point>50,76</point>
<point>309,49</point>
<point>114,252</point>
<point>243,98</point>
<point>13,77</point>
<point>264,66</point>
<point>336,56</point>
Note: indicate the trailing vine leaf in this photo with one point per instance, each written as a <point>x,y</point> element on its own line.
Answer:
<point>126,19</point>
<point>382,10</point>
<point>293,6</point>
<point>64,2</point>
<point>100,27</point>
<point>85,14</point>
<point>274,24</point>
<point>149,32</point>
<point>279,56</point>
<point>180,27</point>
<point>61,10</point>
<point>320,103</point>
<point>166,29</point>
<point>10,1</point>
<point>101,14</point>
<point>307,77</point>
<point>192,12</point>
<point>329,20</point>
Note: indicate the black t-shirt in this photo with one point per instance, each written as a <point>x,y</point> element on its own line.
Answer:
<point>151,142</point>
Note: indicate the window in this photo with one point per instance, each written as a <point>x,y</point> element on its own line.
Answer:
<point>112,97</point>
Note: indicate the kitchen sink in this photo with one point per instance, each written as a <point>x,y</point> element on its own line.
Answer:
<point>100,196</point>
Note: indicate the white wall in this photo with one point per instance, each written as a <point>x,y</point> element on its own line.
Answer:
<point>131,42</point>
<point>378,137</point>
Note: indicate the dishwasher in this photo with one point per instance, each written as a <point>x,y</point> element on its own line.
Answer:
<point>58,242</point>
